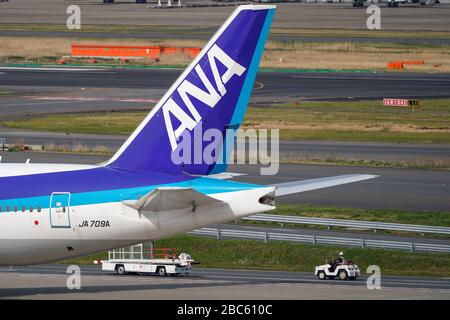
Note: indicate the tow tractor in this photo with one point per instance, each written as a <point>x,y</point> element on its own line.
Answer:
<point>141,259</point>
<point>345,271</point>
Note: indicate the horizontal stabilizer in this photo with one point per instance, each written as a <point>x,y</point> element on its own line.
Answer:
<point>286,188</point>
<point>162,199</point>
<point>222,175</point>
<point>225,175</point>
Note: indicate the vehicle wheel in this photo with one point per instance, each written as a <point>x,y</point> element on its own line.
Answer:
<point>162,271</point>
<point>342,275</point>
<point>321,275</point>
<point>120,269</point>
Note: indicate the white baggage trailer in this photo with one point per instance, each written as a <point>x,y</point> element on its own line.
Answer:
<point>132,260</point>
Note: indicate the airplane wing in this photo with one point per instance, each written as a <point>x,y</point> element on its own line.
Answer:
<point>171,198</point>
<point>286,188</point>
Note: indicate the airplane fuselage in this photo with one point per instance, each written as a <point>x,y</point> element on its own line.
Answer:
<point>77,210</point>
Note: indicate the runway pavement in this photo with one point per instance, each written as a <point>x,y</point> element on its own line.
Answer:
<point>300,149</point>
<point>55,90</point>
<point>49,282</point>
<point>288,16</point>
<point>405,189</point>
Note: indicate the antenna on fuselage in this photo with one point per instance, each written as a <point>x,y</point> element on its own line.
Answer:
<point>28,161</point>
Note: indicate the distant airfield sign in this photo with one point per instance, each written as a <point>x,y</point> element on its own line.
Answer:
<point>390,102</point>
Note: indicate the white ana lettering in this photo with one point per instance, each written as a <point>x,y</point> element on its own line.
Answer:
<point>210,97</point>
<point>171,107</point>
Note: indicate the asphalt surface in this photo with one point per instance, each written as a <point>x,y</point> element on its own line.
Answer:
<point>288,15</point>
<point>81,90</point>
<point>49,282</point>
<point>271,276</point>
<point>405,189</point>
<point>300,149</point>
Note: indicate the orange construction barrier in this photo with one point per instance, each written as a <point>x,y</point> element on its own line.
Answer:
<point>192,51</point>
<point>395,65</point>
<point>414,62</point>
<point>171,50</point>
<point>398,65</point>
<point>154,52</point>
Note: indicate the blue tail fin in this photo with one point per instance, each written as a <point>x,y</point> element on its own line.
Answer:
<point>211,94</point>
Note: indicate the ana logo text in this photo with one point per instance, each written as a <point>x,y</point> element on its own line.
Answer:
<point>211,97</point>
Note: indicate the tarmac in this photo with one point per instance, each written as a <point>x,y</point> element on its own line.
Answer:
<point>59,90</point>
<point>48,282</point>
<point>288,16</point>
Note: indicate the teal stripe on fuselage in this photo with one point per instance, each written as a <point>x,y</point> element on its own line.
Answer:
<point>203,185</point>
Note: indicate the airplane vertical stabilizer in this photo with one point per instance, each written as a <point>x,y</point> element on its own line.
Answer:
<point>212,93</point>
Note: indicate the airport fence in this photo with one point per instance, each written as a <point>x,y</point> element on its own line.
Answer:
<point>222,233</point>
<point>348,223</point>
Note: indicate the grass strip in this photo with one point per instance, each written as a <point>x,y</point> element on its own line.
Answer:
<point>424,217</point>
<point>324,120</point>
<point>285,256</point>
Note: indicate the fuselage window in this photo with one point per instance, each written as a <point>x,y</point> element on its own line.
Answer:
<point>8,209</point>
<point>16,209</point>
<point>31,208</point>
<point>1,209</point>
<point>24,208</point>
<point>39,209</point>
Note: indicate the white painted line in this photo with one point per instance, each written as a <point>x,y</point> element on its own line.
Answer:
<point>32,104</point>
<point>141,100</point>
<point>415,283</point>
<point>50,69</point>
<point>412,183</point>
<point>258,85</point>
<point>263,278</point>
<point>370,78</point>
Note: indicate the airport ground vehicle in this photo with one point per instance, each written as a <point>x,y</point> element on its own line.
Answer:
<point>133,260</point>
<point>343,272</point>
